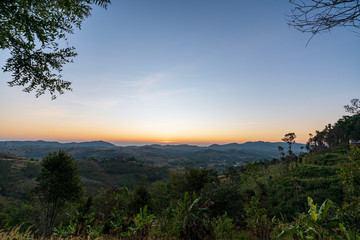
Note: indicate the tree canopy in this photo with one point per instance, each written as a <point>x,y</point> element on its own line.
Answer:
<point>35,33</point>
<point>316,16</point>
<point>289,138</point>
<point>59,182</point>
<point>354,107</point>
<point>345,129</point>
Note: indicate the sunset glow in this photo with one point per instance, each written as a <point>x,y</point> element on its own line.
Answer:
<point>181,72</point>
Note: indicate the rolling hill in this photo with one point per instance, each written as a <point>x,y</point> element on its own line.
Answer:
<point>218,156</point>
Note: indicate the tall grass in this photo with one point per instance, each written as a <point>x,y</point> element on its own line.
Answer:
<point>16,234</point>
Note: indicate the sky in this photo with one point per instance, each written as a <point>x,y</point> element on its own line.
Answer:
<point>195,72</point>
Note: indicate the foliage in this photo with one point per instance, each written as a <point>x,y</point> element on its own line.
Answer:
<point>316,16</point>
<point>223,227</point>
<point>253,201</point>
<point>4,219</point>
<point>350,235</point>
<point>190,218</point>
<point>345,129</point>
<point>227,199</point>
<point>288,194</point>
<point>111,209</point>
<point>128,173</point>
<point>257,220</point>
<point>160,199</point>
<point>33,32</point>
<point>5,167</point>
<point>331,156</point>
<point>15,234</point>
<point>59,182</point>
<point>354,107</point>
<point>289,138</point>
<point>140,198</point>
<point>310,226</point>
<point>142,222</point>
<point>59,179</point>
<point>31,170</point>
<point>191,181</point>
<point>350,175</point>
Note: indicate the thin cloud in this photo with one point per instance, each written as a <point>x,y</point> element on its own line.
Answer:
<point>94,103</point>
<point>151,95</point>
<point>53,112</point>
<point>145,82</point>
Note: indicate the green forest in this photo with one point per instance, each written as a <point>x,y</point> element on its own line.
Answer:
<point>311,195</point>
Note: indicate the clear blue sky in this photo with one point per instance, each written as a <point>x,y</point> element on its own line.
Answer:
<point>191,72</point>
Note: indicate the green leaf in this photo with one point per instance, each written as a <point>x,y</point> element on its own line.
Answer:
<point>311,230</point>
<point>301,235</point>
<point>343,229</point>
<point>194,203</point>
<point>314,215</point>
<point>196,217</point>
<point>324,209</point>
<point>288,232</point>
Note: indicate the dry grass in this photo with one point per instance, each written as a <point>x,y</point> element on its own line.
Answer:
<point>15,234</point>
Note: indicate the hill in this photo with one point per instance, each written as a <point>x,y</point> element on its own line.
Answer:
<point>41,143</point>
<point>17,174</point>
<point>176,156</point>
<point>255,200</point>
<point>270,147</point>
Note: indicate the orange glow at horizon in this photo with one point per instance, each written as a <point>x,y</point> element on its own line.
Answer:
<point>70,131</point>
<point>79,136</point>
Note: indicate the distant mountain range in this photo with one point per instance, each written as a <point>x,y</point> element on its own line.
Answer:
<point>258,146</point>
<point>173,155</point>
<point>41,143</point>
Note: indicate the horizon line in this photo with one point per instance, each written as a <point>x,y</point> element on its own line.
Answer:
<point>140,143</point>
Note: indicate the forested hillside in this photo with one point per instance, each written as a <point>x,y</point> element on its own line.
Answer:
<point>218,157</point>
<point>312,195</point>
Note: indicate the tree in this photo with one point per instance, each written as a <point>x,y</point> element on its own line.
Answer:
<point>5,168</point>
<point>349,174</point>
<point>140,198</point>
<point>34,33</point>
<point>345,129</point>
<point>289,138</point>
<point>354,108</point>
<point>191,181</point>
<point>316,16</point>
<point>58,183</point>
<point>281,150</point>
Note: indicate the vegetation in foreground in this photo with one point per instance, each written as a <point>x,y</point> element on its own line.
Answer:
<point>313,195</point>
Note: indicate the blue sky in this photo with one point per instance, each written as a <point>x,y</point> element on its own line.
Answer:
<point>191,72</point>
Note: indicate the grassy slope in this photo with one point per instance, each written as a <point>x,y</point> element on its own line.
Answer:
<point>18,174</point>
<point>284,189</point>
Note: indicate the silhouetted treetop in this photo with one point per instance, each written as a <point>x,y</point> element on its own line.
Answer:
<point>354,107</point>
<point>35,32</point>
<point>316,16</point>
